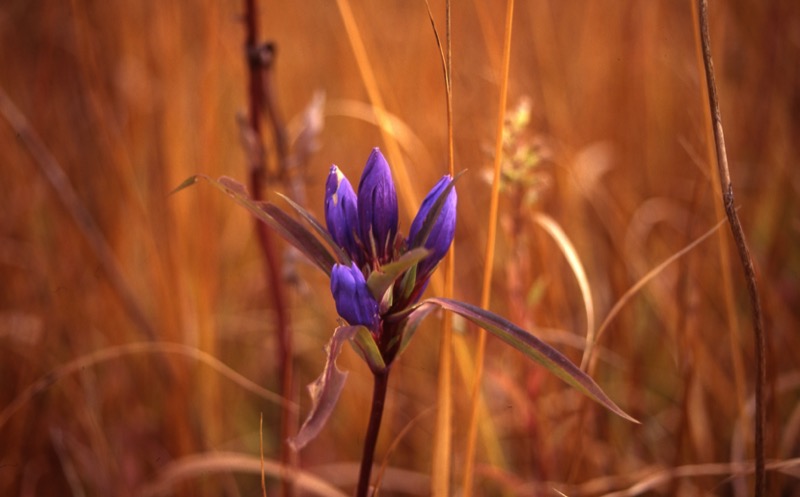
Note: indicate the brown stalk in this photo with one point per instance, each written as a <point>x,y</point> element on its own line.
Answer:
<point>259,61</point>
<point>744,252</point>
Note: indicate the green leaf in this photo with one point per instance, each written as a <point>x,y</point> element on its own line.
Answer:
<point>364,344</point>
<point>382,279</point>
<point>325,390</point>
<point>291,231</point>
<point>186,184</point>
<point>412,322</point>
<point>526,343</point>
<point>409,282</point>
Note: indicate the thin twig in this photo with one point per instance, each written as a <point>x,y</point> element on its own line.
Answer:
<point>744,252</point>
<point>737,355</point>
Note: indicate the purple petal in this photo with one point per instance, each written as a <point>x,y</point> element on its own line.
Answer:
<point>341,212</point>
<point>354,302</point>
<point>377,207</point>
<point>444,227</point>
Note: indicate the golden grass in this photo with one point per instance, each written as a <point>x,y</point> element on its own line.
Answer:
<point>131,98</point>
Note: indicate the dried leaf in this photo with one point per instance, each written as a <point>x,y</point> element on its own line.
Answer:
<point>326,389</point>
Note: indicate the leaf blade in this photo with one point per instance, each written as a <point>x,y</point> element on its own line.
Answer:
<point>534,348</point>
<point>291,230</point>
<point>296,234</point>
<point>319,229</point>
<point>382,279</point>
<point>364,344</point>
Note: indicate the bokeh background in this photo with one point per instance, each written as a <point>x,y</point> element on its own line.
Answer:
<point>610,144</point>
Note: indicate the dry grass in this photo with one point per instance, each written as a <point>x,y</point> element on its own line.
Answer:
<point>133,97</point>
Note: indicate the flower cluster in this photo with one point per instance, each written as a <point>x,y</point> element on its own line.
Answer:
<point>377,278</point>
<point>364,226</point>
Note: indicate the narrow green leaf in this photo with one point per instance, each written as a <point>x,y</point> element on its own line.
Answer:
<point>364,344</point>
<point>409,282</point>
<point>412,322</point>
<point>382,279</point>
<point>186,184</point>
<point>386,302</point>
<point>325,390</point>
<point>531,346</point>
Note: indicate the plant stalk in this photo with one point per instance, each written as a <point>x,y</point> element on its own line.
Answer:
<point>726,185</point>
<point>381,380</point>
<point>258,57</point>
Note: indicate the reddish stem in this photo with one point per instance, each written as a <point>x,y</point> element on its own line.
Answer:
<point>256,62</point>
<point>381,379</point>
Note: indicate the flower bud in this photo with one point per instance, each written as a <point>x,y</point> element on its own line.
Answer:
<point>444,227</point>
<point>354,302</point>
<point>341,212</point>
<point>377,207</point>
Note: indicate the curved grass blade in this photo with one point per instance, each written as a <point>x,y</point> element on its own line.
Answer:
<point>325,390</point>
<point>291,231</point>
<point>534,348</point>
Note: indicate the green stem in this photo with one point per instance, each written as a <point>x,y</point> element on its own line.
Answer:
<point>378,401</point>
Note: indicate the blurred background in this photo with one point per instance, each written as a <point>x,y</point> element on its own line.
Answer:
<point>607,141</point>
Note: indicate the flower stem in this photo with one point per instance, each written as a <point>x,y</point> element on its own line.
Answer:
<point>378,401</point>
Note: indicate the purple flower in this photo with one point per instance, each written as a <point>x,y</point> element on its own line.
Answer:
<point>364,228</point>
<point>354,302</point>
<point>377,208</point>
<point>443,229</point>
<point>341,213</point>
